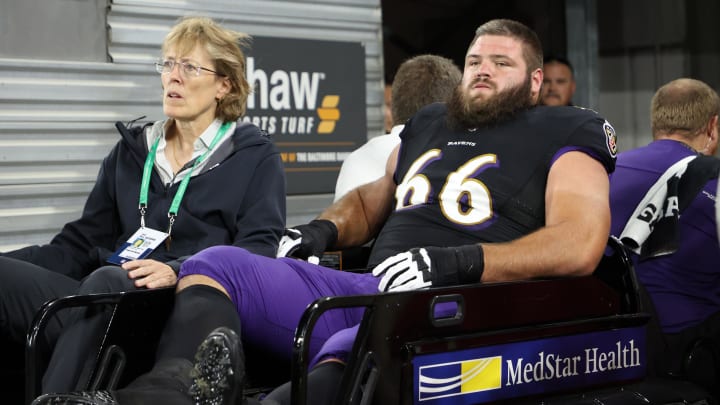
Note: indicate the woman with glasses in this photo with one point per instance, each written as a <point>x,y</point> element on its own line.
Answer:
<point>195,179</point>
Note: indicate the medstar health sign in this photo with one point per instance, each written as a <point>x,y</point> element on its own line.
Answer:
<point>310,97</point>
<point>492,373</point>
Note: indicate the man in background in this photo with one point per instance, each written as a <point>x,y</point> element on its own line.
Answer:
<point>558,82</point>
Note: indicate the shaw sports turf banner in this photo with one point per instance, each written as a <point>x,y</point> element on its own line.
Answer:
<point>309,96</point>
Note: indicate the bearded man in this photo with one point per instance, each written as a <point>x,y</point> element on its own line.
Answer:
<point>486,188</point>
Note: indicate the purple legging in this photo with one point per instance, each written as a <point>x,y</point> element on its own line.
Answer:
<point>271,294</point>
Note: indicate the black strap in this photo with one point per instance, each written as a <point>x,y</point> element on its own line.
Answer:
<point>699,171</point>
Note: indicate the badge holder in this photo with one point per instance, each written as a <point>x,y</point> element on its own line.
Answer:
<point>138,246</point>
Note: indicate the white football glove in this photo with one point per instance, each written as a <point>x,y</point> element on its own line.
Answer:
<point>431,266</point>
<point>405,271</point>
<point>308,241</point>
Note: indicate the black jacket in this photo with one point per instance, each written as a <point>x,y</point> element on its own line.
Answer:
<point>237,199</point>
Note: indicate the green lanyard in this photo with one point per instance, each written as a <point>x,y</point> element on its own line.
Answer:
<point>147,172</point>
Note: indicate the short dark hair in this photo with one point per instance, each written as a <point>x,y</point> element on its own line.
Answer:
<point>420,81</point>
<point>532,48</point>
<point>561,60</point>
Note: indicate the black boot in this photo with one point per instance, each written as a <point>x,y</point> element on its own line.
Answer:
<point>216,378</point>
<point>219,371</point>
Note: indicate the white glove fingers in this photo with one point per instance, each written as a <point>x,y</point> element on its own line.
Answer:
<point>397,272</point>
<point>388,277</point>
<point>402,272</point>
<point>404,275</point>
<point>402,282</point>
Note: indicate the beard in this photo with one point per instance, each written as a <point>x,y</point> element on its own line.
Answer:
<point>464,113</point>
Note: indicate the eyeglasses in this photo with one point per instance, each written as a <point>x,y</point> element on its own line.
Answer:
<point>187,69</point>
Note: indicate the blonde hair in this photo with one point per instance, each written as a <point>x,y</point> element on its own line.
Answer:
<point>224,47</point>
<point>684,107</point>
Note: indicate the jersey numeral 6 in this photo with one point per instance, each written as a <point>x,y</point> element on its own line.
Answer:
<point>463,199</point>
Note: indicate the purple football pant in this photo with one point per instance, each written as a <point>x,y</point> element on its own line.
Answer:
<point>270,296</point>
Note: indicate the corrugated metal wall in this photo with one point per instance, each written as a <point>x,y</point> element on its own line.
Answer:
<point>57,117</point>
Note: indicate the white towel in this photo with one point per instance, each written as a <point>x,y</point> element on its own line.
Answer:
<point>660,205</point>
